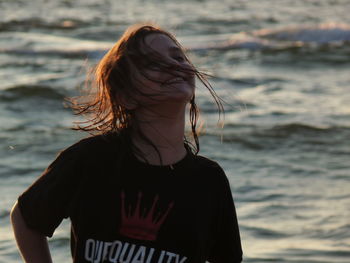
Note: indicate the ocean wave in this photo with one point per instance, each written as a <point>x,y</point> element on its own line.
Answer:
<point>322,34</point>
<point>299,128</point>
<point>284,130</point>
<point>316,253</point>
<point>337,232</point>
<point>35,22</point>
<point>245,142</point>
<point>299,136</point>
<point>28,91</point>
<point>4,213</point>
<point>250,82</point>
<point>46,44</point>
<point>260,232</point>
<point>332,35</point>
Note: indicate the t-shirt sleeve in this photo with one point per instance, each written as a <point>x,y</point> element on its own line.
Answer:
<point>48,200</point>
<point>227,244</point>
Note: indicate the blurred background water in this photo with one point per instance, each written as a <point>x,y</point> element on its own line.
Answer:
<point>282,66</point>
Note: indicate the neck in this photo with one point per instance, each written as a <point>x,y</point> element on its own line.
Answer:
<point>165,132</point>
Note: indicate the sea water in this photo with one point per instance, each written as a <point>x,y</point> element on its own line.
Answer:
<point>282,68</point>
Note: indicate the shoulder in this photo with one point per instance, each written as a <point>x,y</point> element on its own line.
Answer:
<point>210,169</point>
<point>206,163</point>
<point>213,178</point>
<point>92,145</point>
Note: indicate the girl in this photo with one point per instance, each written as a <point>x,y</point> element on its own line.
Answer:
<point>137,190</point>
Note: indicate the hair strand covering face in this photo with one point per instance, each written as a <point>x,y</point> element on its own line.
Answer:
<point>111,85</point>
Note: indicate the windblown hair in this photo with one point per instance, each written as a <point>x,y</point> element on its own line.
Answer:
<point>112,83</point>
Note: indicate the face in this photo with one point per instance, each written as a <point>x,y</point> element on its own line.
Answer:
<point>166,86</point>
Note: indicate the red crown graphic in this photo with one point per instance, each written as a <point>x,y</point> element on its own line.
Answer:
<point>141,225</point>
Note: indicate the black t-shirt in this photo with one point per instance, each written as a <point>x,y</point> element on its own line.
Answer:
<point>130,211</point>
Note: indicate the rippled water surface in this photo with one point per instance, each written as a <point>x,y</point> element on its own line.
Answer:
<point>282,66</point>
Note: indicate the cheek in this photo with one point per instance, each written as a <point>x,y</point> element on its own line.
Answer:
<point>192,81</point>
<point>148,85</point>
<point>152,82</point>
<point>143,80</point>
<point>155,76</point>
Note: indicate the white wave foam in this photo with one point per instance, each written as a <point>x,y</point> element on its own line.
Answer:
<point>323,34</point>
<point>288,37</point>
<point>33,43</point>
<point>282,38</point>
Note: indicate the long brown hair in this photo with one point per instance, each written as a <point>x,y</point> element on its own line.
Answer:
<point>111,84</point>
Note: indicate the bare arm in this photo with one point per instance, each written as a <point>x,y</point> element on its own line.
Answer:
<point>32,245</point>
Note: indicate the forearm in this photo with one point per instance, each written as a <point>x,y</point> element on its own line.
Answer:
<point>32,245</point>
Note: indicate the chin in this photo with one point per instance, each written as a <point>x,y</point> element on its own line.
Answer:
<point>182,91</point>
<point>182,95</point>
<point>179,93</point>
